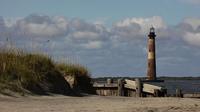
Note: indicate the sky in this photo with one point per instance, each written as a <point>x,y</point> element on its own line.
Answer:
<point>109,37</point>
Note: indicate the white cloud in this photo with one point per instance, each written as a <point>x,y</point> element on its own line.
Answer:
<point>194,22</point>
<point>40,29</point>
<point>82,32</point>
<point>145,23</point>
<point>42,26</point>
<point>190,31</point>
<point>135,29</point>
<point>10,22</point>
<point>93,45</point>
<point>192,38</point>
<point>85,35</point>
<point>61,22</point>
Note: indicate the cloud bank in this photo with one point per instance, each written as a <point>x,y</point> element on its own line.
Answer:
<point>119,50</point>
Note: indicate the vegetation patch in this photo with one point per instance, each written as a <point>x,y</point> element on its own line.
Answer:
<point>81,79</point>
<point>36,74</point>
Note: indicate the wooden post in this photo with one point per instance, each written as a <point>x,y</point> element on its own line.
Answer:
<point>164,92</point>
<point>109,91</point>
<point>109,81</point>
<point>156,93</point>
<point>138,84</point>
<point>179,93</point>
<point>120,87</point>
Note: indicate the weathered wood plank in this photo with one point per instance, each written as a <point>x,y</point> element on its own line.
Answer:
<point>150,88</point>
<point>129,86</point>
<point>130,82</point>
<point>104,85</point>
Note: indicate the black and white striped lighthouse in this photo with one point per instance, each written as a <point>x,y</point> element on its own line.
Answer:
<point>151,70</point>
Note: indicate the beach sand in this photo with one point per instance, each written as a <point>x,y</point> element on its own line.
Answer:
<point>59,103</point>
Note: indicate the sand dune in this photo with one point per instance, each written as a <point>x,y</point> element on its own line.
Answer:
<point>97,104</point>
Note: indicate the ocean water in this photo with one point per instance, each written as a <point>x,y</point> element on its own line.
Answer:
<point>187,86</point>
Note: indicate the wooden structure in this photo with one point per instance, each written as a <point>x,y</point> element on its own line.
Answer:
<point>130,88</point>
<point>106,89</point>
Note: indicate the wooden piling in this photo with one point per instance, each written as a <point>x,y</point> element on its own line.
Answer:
<point>179,93</point>
<point>109,81</point>
<point>138,84</point>
<point>120,87</point>
<point>157,93</point>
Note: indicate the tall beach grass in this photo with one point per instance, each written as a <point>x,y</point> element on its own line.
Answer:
<point>37,73</point>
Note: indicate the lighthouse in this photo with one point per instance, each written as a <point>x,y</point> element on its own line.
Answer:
<point>151,69</point>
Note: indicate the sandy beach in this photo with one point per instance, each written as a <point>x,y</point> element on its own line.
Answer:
<point>97,104</point>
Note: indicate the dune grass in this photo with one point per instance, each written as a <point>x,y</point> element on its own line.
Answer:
<point>35,73</point>
<point>81,74</point>
<point>73,69</point>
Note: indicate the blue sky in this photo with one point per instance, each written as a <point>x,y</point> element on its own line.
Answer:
<point>107,36</point>
<point>172,11</point>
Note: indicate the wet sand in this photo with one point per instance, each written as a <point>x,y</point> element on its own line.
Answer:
<point>97,104</point>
